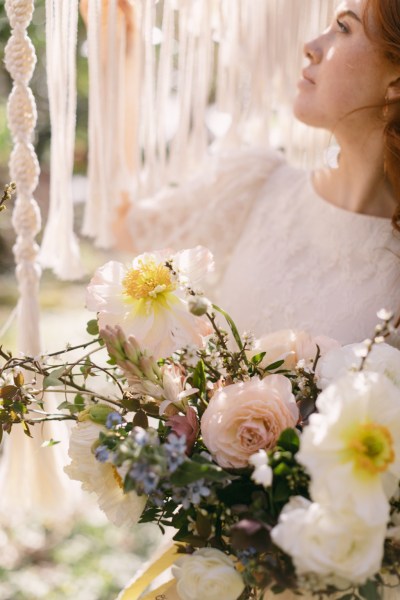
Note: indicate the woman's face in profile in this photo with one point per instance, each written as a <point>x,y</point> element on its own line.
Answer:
<point>344,72</point>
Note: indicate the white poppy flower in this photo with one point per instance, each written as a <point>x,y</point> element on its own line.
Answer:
<point>351,448</point>
<point>334,546</point>
<point>147,300</point>
<point>101,478</point>
<point>383,358</point>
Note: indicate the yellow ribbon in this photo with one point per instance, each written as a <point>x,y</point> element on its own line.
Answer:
<point>135,589</point>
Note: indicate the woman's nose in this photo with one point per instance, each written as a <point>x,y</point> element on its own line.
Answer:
<point>313,51</point>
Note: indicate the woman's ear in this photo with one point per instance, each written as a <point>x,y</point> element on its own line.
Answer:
<point>393,91</point>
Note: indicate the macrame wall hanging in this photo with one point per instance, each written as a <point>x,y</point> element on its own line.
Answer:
<point>169,82</point>
<point>31,477</point>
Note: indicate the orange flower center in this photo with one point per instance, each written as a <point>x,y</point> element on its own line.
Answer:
<point>118,478</point>
<point>147,281</point>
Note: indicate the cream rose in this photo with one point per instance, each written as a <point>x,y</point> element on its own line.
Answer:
<point>329,544</point>
<point>245,417</point>
<point>291,346</point>
<point>207,573</point>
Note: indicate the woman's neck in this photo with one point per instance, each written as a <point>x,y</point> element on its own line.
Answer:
<point>358,184</point>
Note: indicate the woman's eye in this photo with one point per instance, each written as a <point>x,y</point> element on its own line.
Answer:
<point>343,28</point>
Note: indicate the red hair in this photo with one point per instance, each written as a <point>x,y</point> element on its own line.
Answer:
<point>385,34</point>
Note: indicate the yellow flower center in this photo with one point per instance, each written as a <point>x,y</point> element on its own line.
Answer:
<point>118,478</point>
<point>148,281</point>
<point>370,447</point>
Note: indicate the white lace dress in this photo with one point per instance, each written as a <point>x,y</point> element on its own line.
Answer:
<point>285,257</point>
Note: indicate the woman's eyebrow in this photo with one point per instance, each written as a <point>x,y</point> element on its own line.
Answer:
<point>349,13</point>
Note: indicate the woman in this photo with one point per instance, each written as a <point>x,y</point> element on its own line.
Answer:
<point>316,251</point>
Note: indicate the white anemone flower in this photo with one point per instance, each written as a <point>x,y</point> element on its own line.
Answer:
<point>103,479</point>
<point>351,448</point>
<point>383,358</point>
<point>149,301</point>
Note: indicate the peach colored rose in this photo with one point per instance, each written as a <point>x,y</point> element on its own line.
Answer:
<point>244,417</point>
<point>291,346</point>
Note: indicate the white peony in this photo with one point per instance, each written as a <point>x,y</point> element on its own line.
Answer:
<point>262,473</point>
<point>333,546</point>
<point>147,300</point>
<point>352,447</point>
<point>208,574</point>
<point>383,358</point>
<point>101,478</point>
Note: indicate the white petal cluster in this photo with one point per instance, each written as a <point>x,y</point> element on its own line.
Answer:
<point>383,358</point>
<point>150,301</point>
<point>262,473</point>
<point>351,449</point>
<point>103,479</point>
<point>207,573</point>
<point>327,544</point>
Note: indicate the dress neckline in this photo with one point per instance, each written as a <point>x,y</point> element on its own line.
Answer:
<point>348,214</point>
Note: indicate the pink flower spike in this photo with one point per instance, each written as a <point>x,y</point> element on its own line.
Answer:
<point>187,425</point>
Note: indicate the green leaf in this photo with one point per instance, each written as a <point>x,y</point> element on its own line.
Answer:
<point>369,591</point>
<point>232,326</point>
<point>8,392</point>
<point>257,358</point>
<point>49,443</point>
<point>140,419</point>
<point>26,429</point>
<point>199,377</point>
<point>52,380</point>
<point>79,401</point>
<point>350,596</point>
<point>282,469</point>
<point>289,440</point>
<point>192,470</point>
<point>275,365</point>
<point>92,327</point>
<point>281,492</point>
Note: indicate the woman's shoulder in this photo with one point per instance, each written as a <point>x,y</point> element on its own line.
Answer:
<point>246,164</point>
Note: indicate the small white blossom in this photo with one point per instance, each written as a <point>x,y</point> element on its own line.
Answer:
<point>262,473</point>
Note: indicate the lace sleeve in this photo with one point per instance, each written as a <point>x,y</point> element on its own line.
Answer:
<point>211,209</point>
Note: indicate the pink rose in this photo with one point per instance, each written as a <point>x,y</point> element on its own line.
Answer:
<point>291,346</point>
<point>187,425</point>
<point>244,417</point>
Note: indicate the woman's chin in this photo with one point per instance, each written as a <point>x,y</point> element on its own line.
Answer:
<point>303,111</point>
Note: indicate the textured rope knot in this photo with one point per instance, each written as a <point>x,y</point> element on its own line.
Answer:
<point>19,13</point>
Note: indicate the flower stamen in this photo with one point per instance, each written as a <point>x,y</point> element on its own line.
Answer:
<point>370,447</point>
<point>147,281</point>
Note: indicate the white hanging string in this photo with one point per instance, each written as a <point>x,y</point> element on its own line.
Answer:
<point>60,250</point>
<point>113,114</point>
<point>244,55</point>
<point>31,477</point>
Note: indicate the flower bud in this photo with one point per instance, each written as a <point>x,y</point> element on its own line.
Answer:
<point>199,305</point>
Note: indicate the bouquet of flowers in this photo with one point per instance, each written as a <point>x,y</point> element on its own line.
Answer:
<point>276,461</point>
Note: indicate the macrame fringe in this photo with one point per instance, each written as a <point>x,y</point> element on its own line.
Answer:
<point>60,250</point>
<point>31,477</point>
<point>190,78</point>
